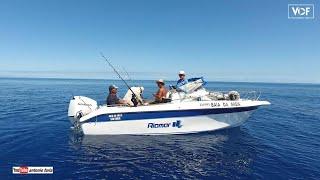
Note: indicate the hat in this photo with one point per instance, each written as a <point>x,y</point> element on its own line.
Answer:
<point>160,81</point>
<point>182,72</point>
<point>112,87</point>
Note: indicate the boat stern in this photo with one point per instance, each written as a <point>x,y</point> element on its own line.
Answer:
<point>80,106</point>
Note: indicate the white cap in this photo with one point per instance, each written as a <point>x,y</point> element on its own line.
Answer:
<point>112,87</point>
<point>182,72</point>
<point>160,81</point>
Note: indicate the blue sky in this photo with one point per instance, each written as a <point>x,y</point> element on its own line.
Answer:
<point>222,40</point>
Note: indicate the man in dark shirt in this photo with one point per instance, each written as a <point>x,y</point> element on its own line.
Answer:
<point>112,98</point>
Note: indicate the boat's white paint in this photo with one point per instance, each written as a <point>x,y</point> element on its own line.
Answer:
<point>192,105</point>
<point>189,125</point>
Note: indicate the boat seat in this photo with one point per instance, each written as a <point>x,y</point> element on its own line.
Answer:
<point>166,100</point>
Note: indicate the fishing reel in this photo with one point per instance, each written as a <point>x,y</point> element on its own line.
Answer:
<point>134,100</point>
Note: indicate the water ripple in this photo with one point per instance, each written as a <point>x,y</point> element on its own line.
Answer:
<point>278,142</point>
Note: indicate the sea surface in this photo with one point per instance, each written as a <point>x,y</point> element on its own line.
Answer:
<point>280,141</point>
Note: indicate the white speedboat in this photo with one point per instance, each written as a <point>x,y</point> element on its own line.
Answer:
<point>193,110</point>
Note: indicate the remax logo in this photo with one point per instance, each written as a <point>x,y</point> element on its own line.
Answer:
<point>300,11</point>
<point>176,124</point>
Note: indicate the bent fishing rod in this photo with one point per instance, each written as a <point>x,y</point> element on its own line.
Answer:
<point>134,96</point>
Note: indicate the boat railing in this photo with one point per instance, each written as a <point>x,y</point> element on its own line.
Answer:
<point>251,95</point>
<point>248,95</point>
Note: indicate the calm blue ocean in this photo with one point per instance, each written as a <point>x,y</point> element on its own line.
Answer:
<point>281,141</point>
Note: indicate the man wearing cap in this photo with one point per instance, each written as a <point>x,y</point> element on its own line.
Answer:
<point>161,93</point>
<point>182,81</point>
<point>112,98</point>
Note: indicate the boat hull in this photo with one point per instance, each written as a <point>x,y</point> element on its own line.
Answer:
<point>169,125</point>
<point>164,118</point>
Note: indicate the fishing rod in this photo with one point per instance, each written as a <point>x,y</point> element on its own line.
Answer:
<point>134,96</point>
<point>127,74</point>
<point>130,79</point>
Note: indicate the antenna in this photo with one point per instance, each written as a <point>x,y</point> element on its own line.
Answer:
<point>134,96</point>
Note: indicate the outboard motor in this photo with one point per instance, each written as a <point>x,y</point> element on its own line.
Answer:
<point>80,106</point>
<point>234,95</point>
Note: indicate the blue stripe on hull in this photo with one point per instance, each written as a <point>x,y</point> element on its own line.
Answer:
<point>167,114</point>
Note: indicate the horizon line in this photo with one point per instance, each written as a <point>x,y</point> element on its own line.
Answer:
<point>231,81</point>
<point>209,76</point>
